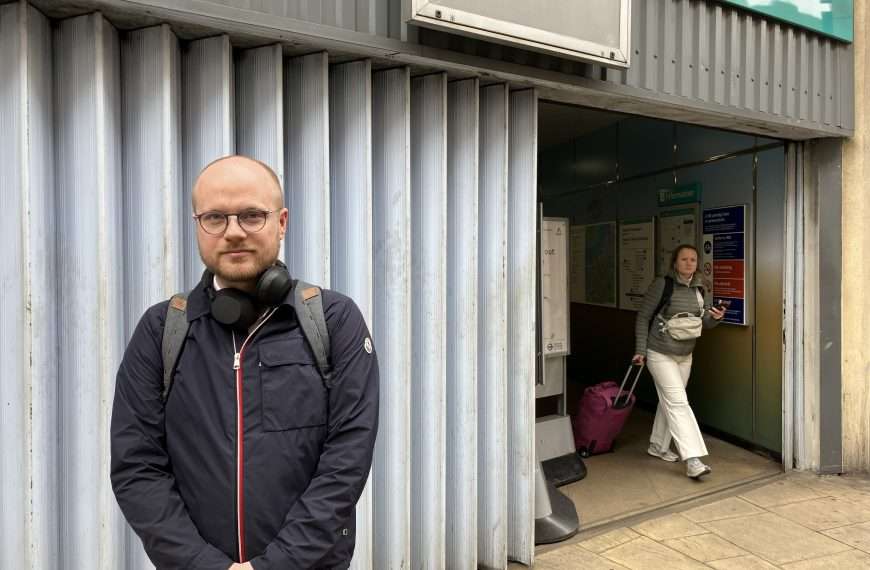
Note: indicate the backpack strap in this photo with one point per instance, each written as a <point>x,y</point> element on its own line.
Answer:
<point>308,303</point>
<point>665,299</point>
<point>174,335</point>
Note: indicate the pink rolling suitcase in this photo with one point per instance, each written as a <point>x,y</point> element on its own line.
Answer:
<point>602,413</point>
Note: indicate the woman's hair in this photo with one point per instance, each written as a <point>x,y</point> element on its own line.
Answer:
<point>681,247</point>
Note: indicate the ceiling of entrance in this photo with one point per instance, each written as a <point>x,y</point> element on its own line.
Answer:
<point>559,123</point>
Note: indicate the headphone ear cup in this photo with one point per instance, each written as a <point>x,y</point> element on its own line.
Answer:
<point>273,286</point>
<point>233,308</point>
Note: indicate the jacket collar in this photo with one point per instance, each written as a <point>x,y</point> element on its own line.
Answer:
<point>696,281</point>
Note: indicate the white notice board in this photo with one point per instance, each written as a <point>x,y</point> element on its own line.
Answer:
<point>677,225</point>
<point>636,261</point>
<point>554,286</point>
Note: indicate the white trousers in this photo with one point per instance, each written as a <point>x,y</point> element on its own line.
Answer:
<point>674,417</point>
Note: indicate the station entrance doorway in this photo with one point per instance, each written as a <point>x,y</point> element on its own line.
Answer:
<point>626,190</point>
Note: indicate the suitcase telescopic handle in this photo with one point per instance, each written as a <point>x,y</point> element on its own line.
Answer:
<point>633,384</point>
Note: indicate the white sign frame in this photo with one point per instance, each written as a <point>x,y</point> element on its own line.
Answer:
<point>431,14</point>
<point>555,305</point>
<point>663,256</point>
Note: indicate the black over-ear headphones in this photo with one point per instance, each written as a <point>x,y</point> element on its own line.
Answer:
<point>238,309</point>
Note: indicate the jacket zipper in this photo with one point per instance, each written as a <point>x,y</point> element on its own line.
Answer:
<point>240,439</point>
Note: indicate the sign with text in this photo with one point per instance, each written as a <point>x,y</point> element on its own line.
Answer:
<point>636,261</point>
<point>724,259</point>
<point>677,226</point>
<point>684,194</point>
<point>554,286</point>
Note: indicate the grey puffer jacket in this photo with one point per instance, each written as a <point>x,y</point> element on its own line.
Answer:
<point>683,300</point>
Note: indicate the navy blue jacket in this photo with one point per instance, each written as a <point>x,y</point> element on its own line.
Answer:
<point>303,459</point>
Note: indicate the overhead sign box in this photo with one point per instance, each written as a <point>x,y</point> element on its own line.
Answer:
<point>591,30</point>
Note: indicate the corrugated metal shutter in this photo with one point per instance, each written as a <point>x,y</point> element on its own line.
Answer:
<point>723,64</point>
<point>103,136</point>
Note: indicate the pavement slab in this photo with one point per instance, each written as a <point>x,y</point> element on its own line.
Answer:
<point>780,493</point>
<point>608,540</point>
<point>574,557</point>
<point>856,535</point>
<point>671,526</point>
<point>774,538</point>
<point>646,554</point>
<point>705,547</point>
<point>826,513</point>
<point>748,562</point>
<point>849,560</point>
<point>724,509</point>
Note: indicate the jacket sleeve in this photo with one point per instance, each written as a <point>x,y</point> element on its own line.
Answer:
<point>141,472</point>
<point>315,522</point>
<point>709,322</point>
<point>641,324</point>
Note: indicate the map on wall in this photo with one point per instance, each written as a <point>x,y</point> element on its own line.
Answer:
<point>593,264</point>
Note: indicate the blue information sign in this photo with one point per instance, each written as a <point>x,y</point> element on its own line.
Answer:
<point>729,219</point>
<point>724,255</point>
<point>728,246</point>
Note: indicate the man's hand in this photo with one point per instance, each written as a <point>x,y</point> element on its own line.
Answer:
<point>245,566</point>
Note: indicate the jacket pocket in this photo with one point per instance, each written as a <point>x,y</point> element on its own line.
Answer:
<point>293,392</point>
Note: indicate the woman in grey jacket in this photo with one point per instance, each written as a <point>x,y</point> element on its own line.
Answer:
<point>670,361</point>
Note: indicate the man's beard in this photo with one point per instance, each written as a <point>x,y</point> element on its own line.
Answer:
<point>230,273</point>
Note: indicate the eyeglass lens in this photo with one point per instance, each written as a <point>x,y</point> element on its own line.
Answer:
<point>216,222</point>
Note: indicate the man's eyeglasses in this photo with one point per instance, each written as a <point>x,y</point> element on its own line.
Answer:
<point>215,223</point>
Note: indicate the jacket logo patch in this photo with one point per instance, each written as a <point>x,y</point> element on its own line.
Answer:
<point>367,344</point>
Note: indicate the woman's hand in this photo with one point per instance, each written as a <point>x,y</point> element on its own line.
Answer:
<point>638,359</point>
<point>717,313</point>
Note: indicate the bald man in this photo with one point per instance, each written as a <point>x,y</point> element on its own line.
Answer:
<point>253,459</point>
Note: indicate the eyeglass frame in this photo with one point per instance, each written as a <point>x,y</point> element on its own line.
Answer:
<point>198,218</point>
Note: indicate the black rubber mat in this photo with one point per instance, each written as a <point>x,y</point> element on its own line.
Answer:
<point>564,469</point>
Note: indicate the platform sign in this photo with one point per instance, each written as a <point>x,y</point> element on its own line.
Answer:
<point>724,259</point>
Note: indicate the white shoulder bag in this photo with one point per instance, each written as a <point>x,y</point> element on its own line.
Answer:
<point>685,326</point>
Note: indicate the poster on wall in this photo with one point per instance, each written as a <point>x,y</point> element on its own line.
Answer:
<point>593,264</point>
<point>677,226</point>
<point>724,248</point>
<point>554,286</point>
<point>636,261</point>
<point>679,211</point>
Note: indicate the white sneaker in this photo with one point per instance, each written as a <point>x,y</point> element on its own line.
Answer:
<point>695,468</point>
<point>667,454</point>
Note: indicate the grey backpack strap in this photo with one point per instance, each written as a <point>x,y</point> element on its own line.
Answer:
<point>308,303</point>
<point>174,335</point>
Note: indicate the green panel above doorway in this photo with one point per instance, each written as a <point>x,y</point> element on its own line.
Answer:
<point>828,17</point>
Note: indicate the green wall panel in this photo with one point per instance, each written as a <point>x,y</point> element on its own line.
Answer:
<point>829,17</point>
